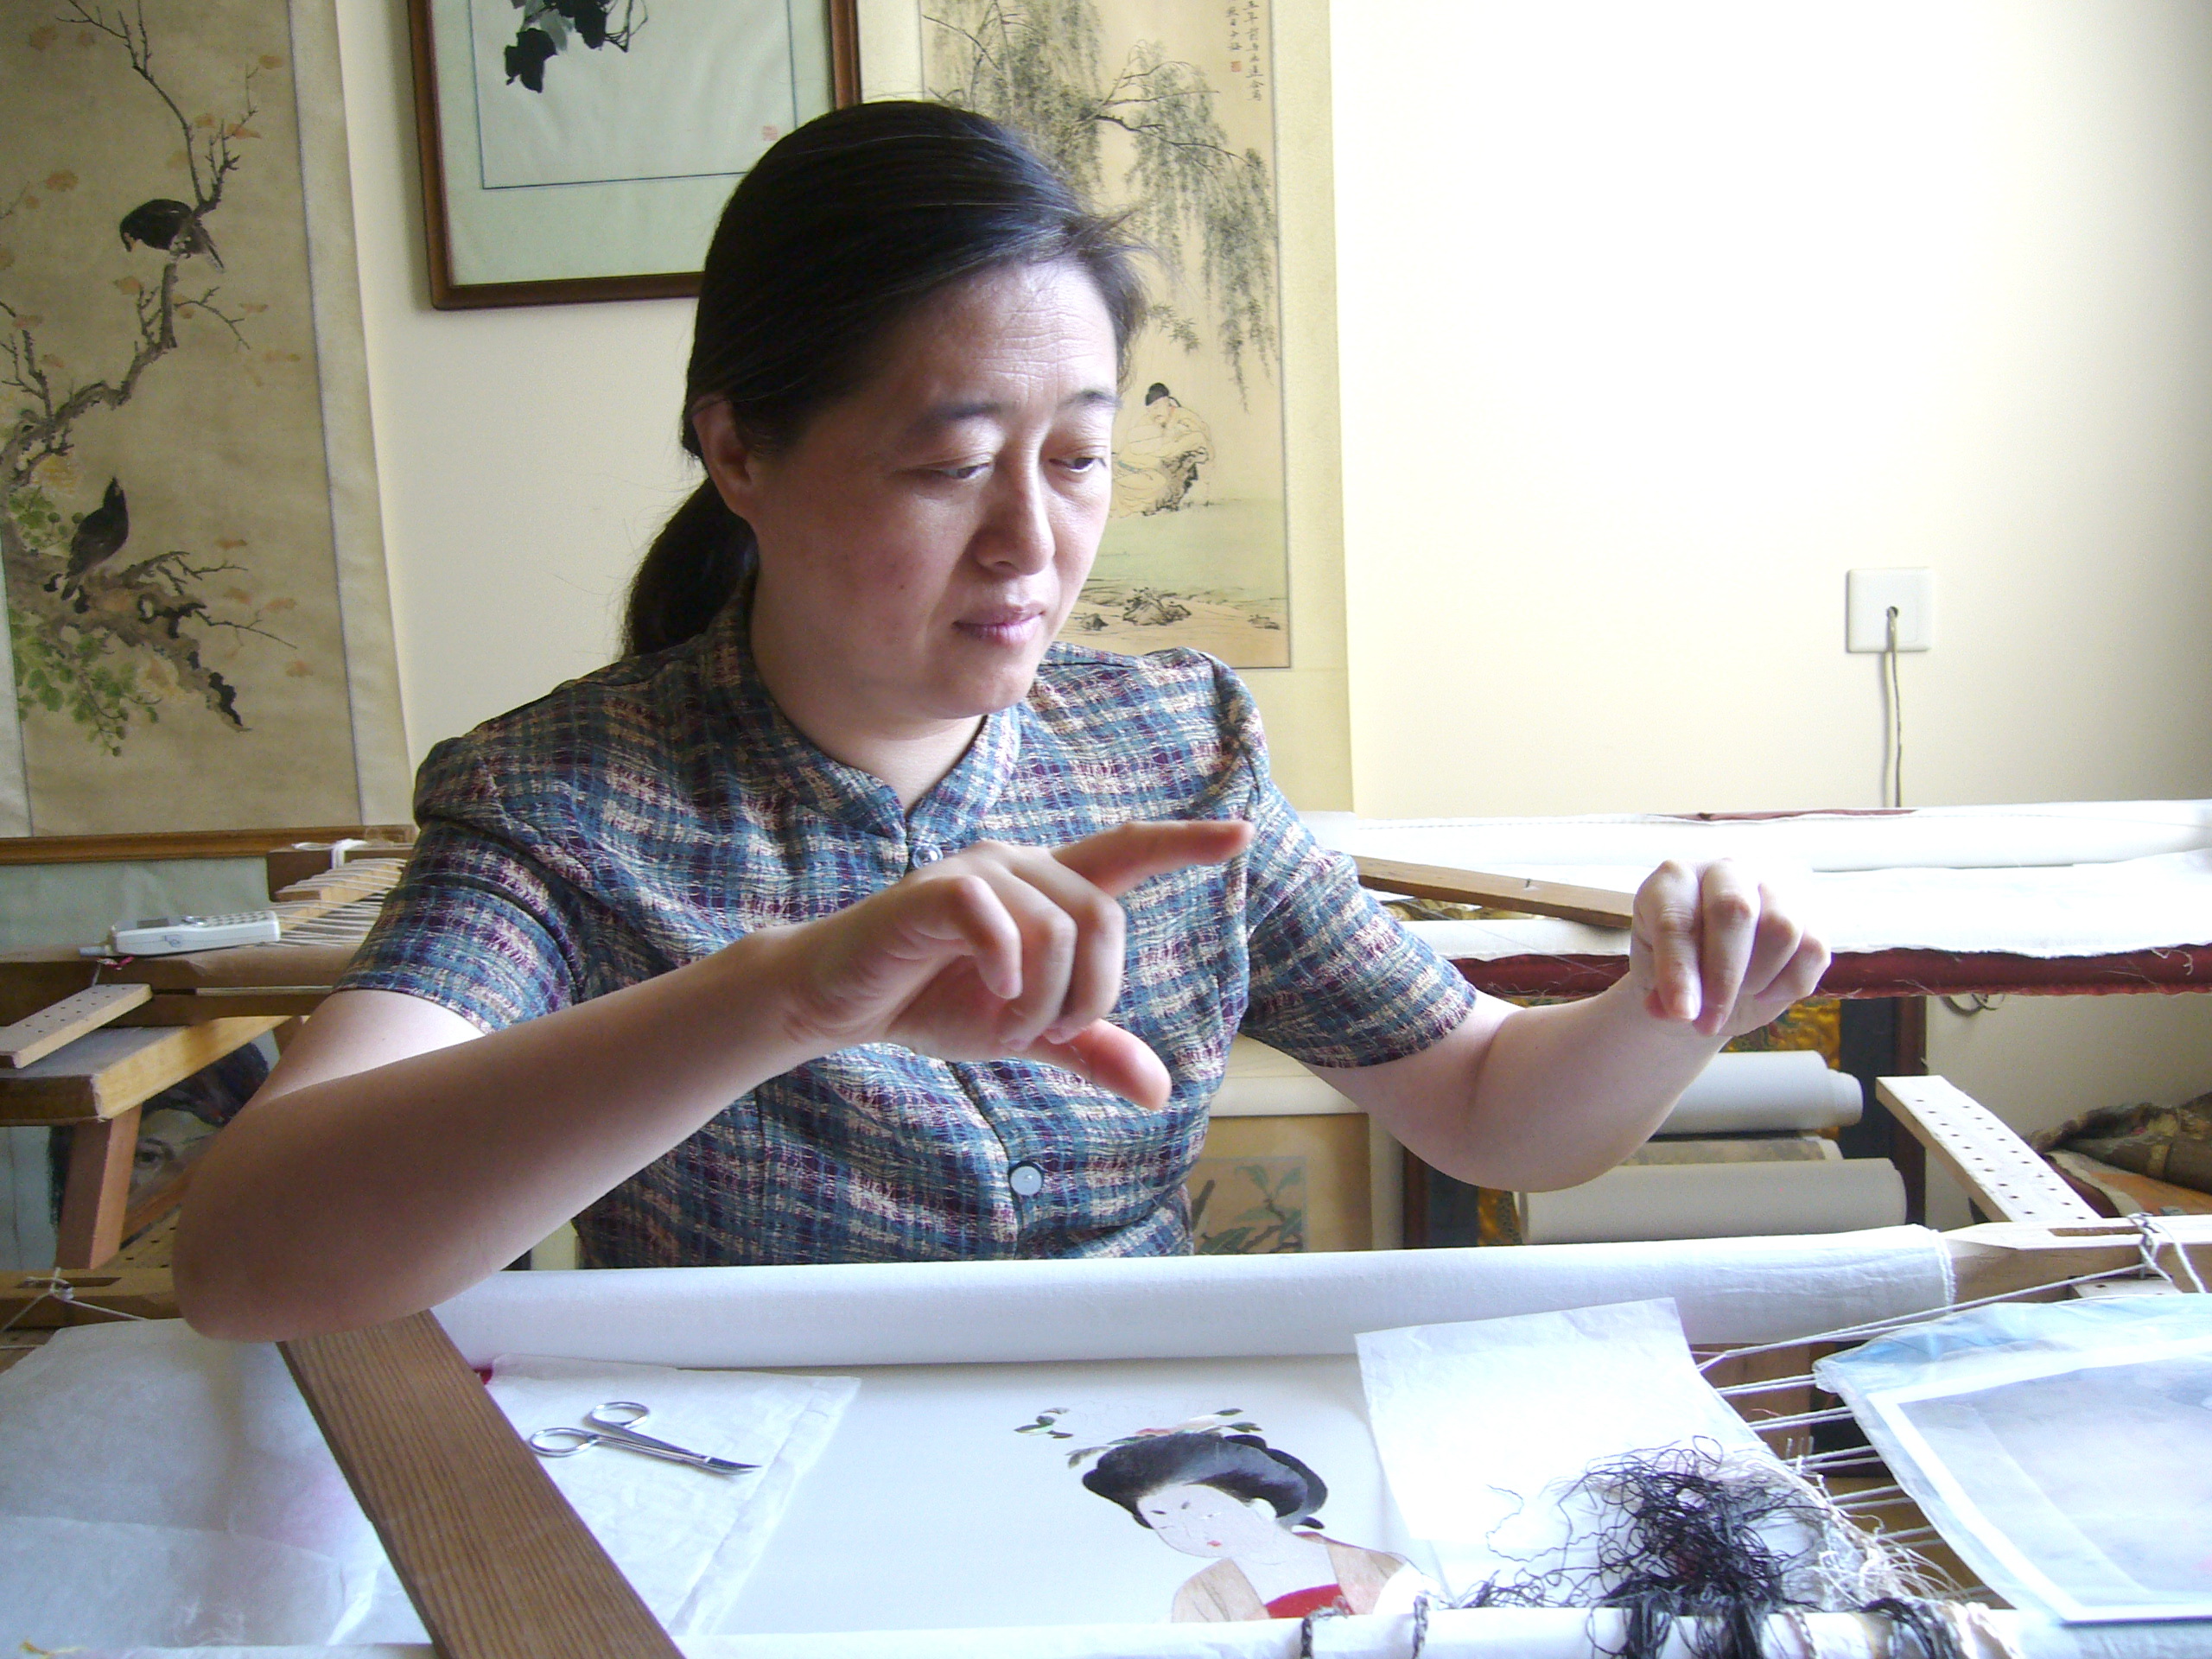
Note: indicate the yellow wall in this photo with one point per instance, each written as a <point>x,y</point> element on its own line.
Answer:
<point>1656,319</point>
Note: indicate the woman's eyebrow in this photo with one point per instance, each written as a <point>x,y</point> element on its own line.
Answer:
<point>952,414</point>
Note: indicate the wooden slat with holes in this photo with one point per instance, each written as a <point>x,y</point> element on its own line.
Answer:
<point>27,1305</point>
<point>115,1068</point>
<point>497,1563</point>
<point>59,1024</point>
<point>1600,906</point>
<point>2000,1173</point>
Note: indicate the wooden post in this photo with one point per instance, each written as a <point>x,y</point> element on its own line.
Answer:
<point>97,1194</point>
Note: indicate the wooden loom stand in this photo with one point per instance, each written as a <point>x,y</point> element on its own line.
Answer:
<point>500,1567</point>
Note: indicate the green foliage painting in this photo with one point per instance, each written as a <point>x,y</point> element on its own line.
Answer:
<point>1204,207</point>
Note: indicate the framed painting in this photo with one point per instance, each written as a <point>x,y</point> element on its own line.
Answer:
<point>1163,111</point>
<point>198,632</point>
<point>583,150</point>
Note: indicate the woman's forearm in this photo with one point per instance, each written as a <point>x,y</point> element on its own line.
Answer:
<point>367,1196</point>
<point>1565,1092</point>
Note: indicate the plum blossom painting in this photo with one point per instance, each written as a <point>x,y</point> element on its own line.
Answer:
<point>1164,112</point>
<point>198,632</point>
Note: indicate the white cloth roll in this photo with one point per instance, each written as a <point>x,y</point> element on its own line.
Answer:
<point>1956,838</point>
<point>1731,1290</point>
<point>1744,1094</point>
<point>1683,1201</point>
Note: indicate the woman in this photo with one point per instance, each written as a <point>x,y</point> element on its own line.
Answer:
<point>794,934</point>
<point>1249,1508</point>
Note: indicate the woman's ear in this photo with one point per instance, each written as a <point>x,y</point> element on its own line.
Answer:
<point>733,463</point>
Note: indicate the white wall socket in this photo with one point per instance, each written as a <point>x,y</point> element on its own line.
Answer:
<point>1868,595</point>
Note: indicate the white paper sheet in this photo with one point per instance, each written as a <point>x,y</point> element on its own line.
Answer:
<point>1734,1290</point>
<point>158,1488</point>
<point>1480,1423</point>
<point>2065,1450</point>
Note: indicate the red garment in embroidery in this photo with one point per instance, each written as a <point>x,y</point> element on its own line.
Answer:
<point>1299,1603</point>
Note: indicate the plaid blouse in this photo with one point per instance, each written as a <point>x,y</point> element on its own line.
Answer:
<point>646,815</point>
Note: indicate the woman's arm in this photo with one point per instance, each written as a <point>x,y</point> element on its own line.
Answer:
<point>1532,1099</point>
<point>394,1157</point>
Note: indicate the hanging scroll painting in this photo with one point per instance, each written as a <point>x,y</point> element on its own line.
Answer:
<point>583,150</point>
<point>1165,110</point>
<point>198,632</point>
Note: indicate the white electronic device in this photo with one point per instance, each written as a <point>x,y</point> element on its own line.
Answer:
<point>165,936</point>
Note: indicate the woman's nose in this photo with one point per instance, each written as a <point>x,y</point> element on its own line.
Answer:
<point>1017,537</point>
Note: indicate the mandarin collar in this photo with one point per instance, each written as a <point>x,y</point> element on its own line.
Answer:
<point>779,757</point>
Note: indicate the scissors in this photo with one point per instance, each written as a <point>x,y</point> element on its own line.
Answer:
<point>610,1425</point>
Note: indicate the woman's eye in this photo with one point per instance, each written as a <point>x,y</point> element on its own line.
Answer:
<point>964,470</point>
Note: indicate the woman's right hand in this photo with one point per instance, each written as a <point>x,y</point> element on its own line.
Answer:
<point>997,952</point>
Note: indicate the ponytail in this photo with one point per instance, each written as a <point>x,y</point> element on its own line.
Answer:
<point>688,574</point>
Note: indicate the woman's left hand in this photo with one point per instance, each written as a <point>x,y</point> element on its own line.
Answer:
<point>1712,948</point>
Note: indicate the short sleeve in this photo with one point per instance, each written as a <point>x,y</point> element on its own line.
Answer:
<point>1336,979</point>
<point>474,925</point>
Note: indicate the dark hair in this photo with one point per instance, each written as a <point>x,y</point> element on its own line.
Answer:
<point>835,236</point>
<point>1243,1465</point>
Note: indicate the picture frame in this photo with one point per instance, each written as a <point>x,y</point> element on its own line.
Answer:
<point>535,188</point>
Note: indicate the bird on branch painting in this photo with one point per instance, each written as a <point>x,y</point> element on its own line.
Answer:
<point>172,226</point>
<point>99,640</point>
<point>99,535</point>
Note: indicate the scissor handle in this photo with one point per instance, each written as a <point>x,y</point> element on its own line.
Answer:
<point>616,1413</point>
<point>562,1442</point>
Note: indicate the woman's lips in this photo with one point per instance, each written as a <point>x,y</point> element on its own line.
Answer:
<point>1006,627</point>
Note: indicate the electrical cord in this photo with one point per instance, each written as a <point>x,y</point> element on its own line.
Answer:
<point>1894,791</point>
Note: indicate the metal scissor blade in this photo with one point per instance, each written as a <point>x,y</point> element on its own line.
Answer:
<point>645,1443</point>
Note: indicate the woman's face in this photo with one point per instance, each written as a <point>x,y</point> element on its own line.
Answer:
<point>1205,1521</point>
<point>923,540</point>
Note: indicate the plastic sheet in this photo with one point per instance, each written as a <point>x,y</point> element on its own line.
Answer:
<point>2064,1449</point>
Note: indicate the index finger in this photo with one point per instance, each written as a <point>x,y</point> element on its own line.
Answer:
<point>1118,859</point>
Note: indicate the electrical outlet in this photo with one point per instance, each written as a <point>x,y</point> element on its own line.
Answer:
<point>1868,595</point>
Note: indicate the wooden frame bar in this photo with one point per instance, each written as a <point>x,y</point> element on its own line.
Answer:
<point>496,1562</point>
<point>188,844</point>
<point>1599,906</point>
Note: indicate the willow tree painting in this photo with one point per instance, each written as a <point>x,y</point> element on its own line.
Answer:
<point>166,540</point>
<point>1164,111</point>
